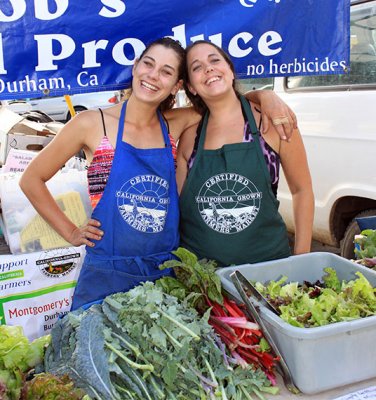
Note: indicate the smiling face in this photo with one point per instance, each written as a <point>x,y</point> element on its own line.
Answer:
<point>209,73</point>
<point>155,75</point>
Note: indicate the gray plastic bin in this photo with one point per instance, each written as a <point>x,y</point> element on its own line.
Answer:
<point>319,358</point>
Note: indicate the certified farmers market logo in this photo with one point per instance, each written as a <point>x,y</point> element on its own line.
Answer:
<point>57,263</point>
<point>143,203</point>
<point>228,203</point>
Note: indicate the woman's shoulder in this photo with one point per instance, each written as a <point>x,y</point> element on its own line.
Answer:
<point>181,119</point>
<point>95,120</point>
<point>87,128</point>
<point>86,119</point>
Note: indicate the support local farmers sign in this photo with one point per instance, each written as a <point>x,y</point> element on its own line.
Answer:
<point>71,46</point>
<point>37,288</point>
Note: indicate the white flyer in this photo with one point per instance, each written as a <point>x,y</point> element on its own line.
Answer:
<point>362,394</point>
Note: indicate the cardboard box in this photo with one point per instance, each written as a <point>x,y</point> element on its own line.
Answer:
<point>21,141</point>
<point>19,133</point>
<point>31,128</point>
<point>8,119</point>
<point>319,358</point>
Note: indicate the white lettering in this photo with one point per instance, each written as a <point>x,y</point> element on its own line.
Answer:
<point>46,56</point>
<point>80,76</point>
<point>31,85</point>
<point>233,47</point>
<point>268,39</point>
<point>118,51</point>
<point>2,65</point>
<point>93,81</point>
<point>255,69</point>
<point>216,39</point>
<point>244,4</point>
<point>197,37</point>
<point>42,12</point>
<point>179,34</point>
<point>19,9</point>
<point>90,53</point>
<point>115,8</point>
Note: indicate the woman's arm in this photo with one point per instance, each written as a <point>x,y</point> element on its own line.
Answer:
<point>273,108</point>
<point>296,170</point>
<point>271,105</point>
<point>71,139</point>
<point>185,149</point>
<point>181,119</point>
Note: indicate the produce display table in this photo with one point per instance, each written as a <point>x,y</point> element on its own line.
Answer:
<point>328,395</point>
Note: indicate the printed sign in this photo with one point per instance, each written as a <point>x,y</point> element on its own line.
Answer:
<point>37,288</point>
<point>65,46</point>
<point>18,160</point>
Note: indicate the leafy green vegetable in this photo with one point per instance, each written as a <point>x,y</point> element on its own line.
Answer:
<point>86,364</point>
<point>151,347</point>
<point>193,276</point>
<point>49,387</point>
<point>17,357</point>
<point>321,303</point>
<point>331,279</point>
<point>197,285</point>
<point>367,244</point>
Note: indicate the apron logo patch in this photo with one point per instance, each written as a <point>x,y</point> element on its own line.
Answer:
<point>228,203</point>
<point>143,203</point>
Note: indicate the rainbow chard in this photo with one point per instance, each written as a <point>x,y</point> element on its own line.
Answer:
<point>200,287</point>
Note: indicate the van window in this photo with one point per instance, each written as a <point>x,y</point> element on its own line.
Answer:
<point>362,54</point>
<point>244,85</point>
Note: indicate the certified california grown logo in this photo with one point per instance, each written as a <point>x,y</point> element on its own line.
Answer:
<point>58,262</point>
<point>143,203</point>
<point>228,202</point>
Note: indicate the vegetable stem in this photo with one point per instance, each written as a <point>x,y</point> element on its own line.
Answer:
<point>246,394</point>
<point>181,326</point>
<point>210,371</point>
<point>173,340</point>
<point>204,379</point>
<point>147,367</point>
<point>135,350</point>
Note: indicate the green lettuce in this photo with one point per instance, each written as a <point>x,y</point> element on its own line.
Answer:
<point>309,305</point>
<point>17,357</point>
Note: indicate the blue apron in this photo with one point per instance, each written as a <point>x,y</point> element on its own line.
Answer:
<point>139,214</point>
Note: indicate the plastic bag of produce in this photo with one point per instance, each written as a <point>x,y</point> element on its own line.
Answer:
<point>25,230</point>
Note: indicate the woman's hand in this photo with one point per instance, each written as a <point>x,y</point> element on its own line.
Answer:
<point>274,111</point>
<point>85,234</point>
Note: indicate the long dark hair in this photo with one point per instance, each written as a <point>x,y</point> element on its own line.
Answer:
<point>197,102</point>
<point>174,45</point>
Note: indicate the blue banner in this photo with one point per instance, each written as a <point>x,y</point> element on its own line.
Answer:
<point>74,46</point>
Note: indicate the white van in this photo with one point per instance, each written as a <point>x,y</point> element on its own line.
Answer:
<point>337,119</point>
<point>56,106</point>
